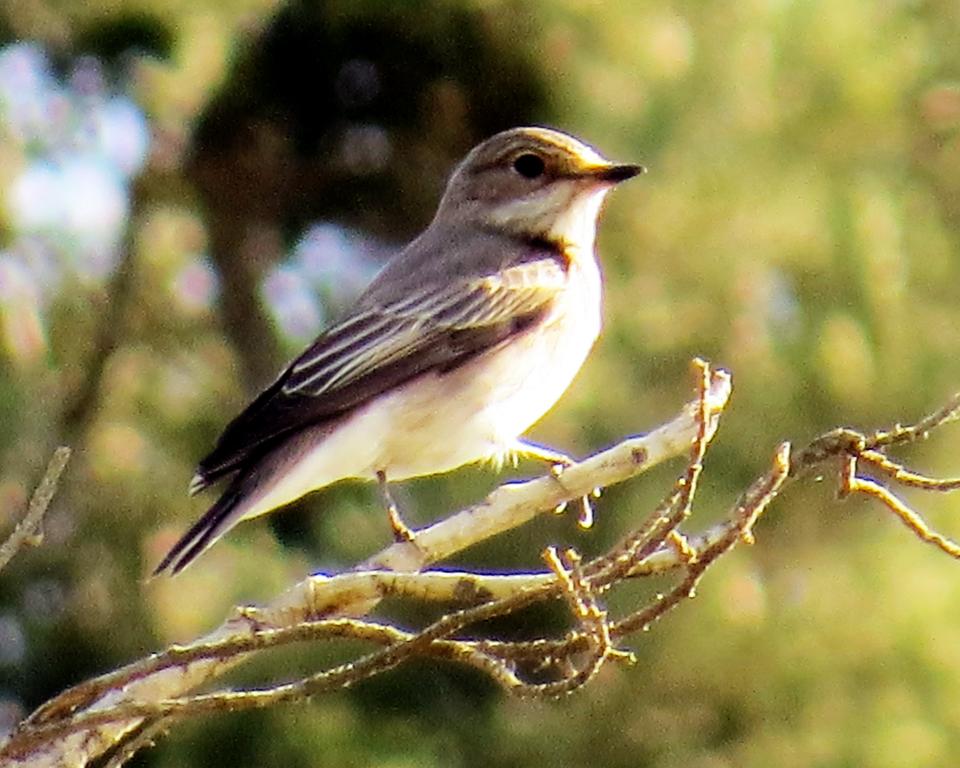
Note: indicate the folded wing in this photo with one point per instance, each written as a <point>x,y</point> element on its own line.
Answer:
<point>381,347</point>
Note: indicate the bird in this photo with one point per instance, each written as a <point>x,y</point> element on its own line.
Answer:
<point>464,340</point>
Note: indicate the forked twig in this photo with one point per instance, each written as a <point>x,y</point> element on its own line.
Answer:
<point>851,483</point>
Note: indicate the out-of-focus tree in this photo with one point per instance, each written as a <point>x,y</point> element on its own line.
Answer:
<point>189,191</point>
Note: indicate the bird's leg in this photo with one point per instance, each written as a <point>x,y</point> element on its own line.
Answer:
<point>401,531</point>
<point>558,463</point>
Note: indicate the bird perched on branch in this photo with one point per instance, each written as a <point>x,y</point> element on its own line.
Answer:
<point>465,339</point>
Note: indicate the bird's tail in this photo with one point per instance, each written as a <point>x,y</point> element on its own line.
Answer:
<point>217,521</point>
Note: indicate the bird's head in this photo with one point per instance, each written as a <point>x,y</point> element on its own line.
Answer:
<point>533,182</point>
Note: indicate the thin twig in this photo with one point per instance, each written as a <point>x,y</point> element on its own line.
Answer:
<point>851,483</point>
<point>28,530</point>
<point>134,741</point>
<point>908,477</point>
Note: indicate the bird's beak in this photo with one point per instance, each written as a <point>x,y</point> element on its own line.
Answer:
<point>613,174</point>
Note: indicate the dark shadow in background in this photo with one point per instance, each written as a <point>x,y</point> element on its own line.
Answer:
<point>352,113</point>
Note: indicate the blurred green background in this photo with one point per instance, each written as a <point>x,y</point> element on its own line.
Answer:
<point>190,190</point>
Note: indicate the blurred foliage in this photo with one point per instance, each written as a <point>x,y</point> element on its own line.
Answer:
<point>800,225</point>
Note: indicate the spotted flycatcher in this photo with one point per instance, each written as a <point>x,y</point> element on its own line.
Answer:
<point>465,338</point>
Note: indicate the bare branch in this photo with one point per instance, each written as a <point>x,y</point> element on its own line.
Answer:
<point>594,638</point>
<point>137,688</point>
<point>28,530</point>
<point>120,712</point>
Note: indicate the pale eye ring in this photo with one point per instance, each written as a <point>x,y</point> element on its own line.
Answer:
<point>529,165</point>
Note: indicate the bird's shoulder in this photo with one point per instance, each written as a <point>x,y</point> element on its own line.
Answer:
<point>442,258</point>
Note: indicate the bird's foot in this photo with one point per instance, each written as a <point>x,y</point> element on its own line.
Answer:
<point>559,463</point>
<point>401,531</point>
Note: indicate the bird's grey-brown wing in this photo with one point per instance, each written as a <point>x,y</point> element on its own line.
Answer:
<point>381,347</point>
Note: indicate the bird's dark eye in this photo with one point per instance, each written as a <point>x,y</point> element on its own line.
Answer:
<point>529,165</point>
